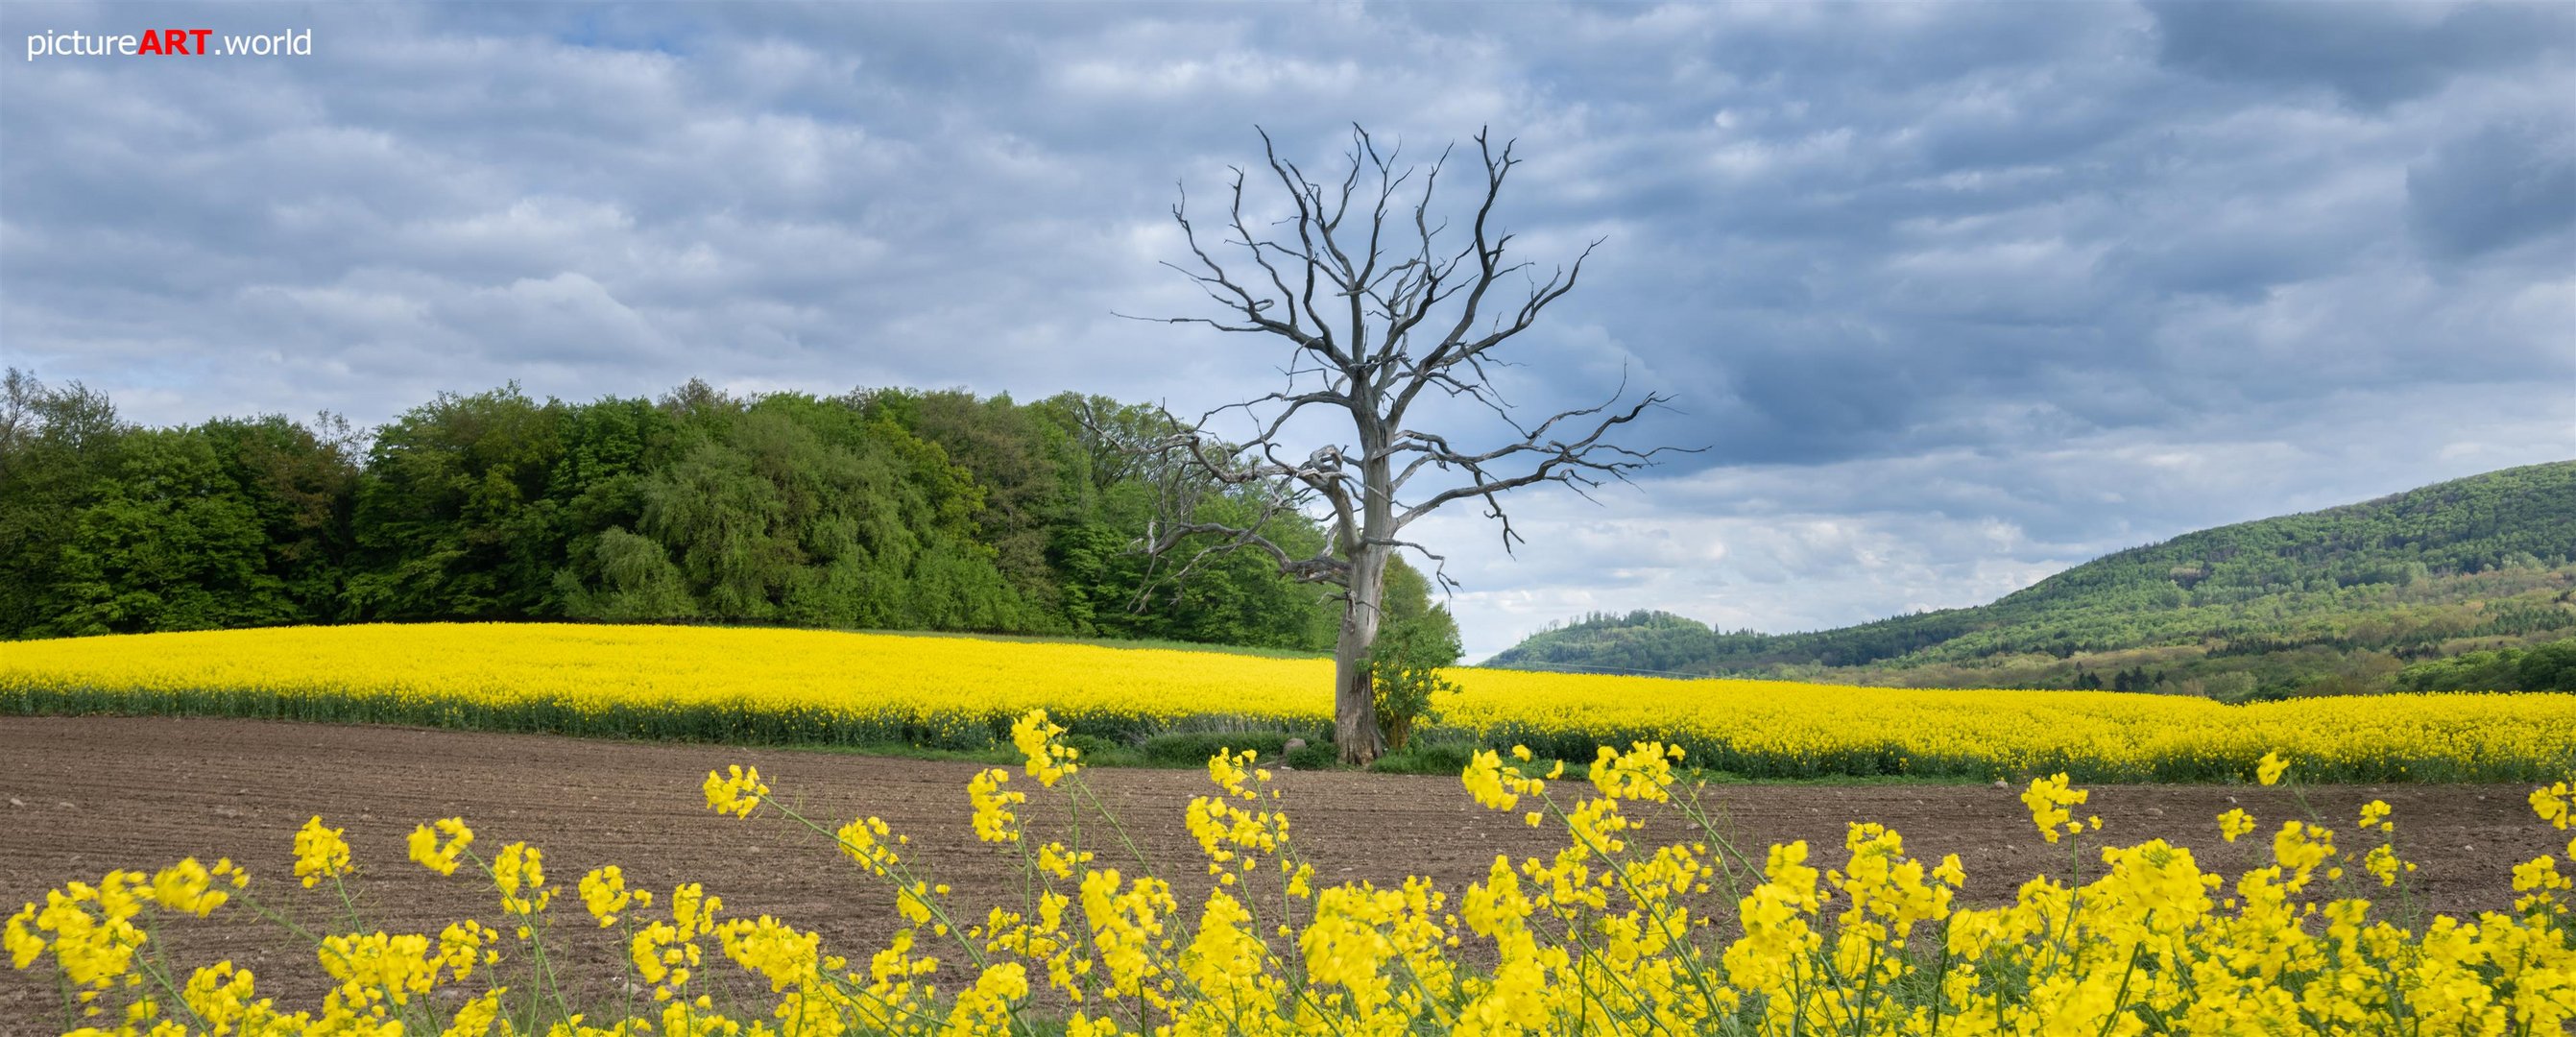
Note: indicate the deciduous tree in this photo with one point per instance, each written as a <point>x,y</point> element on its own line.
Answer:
<point>1381,309</point>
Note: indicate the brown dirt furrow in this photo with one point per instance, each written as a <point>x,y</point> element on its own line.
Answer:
<point>81,795</point>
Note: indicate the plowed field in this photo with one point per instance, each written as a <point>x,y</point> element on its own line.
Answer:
<point>81,795</point>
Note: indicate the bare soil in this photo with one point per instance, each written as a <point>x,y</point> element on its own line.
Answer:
<point>82,795</point>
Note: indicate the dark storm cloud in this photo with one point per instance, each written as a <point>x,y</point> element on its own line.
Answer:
<point>2502,185</point>
<point>1954,295</point>
<point>2372,54</point>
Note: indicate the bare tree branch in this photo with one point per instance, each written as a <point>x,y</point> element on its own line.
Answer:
<point>1358,304</point>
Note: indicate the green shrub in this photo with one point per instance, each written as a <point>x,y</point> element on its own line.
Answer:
<point>1315,755</point>
<point>2470,671</point>
<point>1192,748</point>
<point>1102,751</point>
<point>1404,669</point>
<point>1428,756</point>
<point>2549,667</point>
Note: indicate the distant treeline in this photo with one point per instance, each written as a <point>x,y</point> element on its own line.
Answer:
<point>889,509</point>
<point>2367,597</point>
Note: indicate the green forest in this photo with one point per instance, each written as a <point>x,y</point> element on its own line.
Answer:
<point>881,509</point>
<point>2465,585</point>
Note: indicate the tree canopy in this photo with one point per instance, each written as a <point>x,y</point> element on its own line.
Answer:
<point>885,509</point>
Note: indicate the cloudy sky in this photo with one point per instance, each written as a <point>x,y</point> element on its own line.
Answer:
<point>1954,296</point>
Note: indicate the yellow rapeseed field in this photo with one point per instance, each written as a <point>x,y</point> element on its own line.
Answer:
<point>766,685</point>
<point>1615,933</point>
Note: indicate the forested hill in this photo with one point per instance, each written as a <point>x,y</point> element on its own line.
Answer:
<point>886,508</point>
<point>2345,599</point>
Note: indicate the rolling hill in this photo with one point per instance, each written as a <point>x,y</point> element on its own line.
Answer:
<point>2409,590</point>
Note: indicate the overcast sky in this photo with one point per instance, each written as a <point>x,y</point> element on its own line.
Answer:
<point>1955,296</point>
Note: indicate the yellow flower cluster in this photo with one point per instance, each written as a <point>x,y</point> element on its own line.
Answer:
<point>441,847</point>
<point>752,685</point>
<point>320,853</point>
<point>2235,824</point>
<point>736,792</point>
<point>2049,799</point>
<point>1049,760</point>
<point>871,842</point>
<point>520,874</point>
<point>994,822</point>
<point>1233,838</point>
<point>604,892</point>
<point>1606,934</point>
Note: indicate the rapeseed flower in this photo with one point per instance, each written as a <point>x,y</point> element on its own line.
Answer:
<point>187,886</point>
<point>1048,760</point>
<point>320,853</point>
<point>735,792</point>
<point>441,847</point>
<point>2048,799</point>
<point>993,820</point>
<point>1609,933</point>
<point>2235,823</point>
<point>604,893</point>
<point>822,686</point>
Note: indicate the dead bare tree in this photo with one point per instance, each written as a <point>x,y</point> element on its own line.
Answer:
<point>1377,313</point>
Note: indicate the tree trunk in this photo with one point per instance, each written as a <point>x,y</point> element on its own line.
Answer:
<point>1354,697</point>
